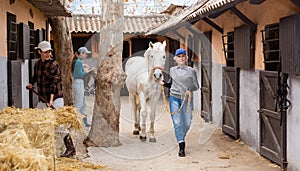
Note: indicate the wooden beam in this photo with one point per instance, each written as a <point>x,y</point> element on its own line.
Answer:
<point>170,36</point>
<point>217,14</point>
<point>214,25</point>
<point>178,34</point>
<point>196,32</point>
<point>256,2</point>
<point>244,18</point>
<point>192,22</point>
<point>296,2</point>
<point>223,8</point>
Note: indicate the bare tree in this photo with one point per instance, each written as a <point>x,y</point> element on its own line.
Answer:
<point>64,54</point>
<point>110,77</point>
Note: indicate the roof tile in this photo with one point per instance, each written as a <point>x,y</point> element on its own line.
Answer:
<point>132,24</point>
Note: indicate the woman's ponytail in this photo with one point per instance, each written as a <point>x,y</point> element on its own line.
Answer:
<point>75,57</point>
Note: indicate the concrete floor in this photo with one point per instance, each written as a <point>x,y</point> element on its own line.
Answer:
<point>207,148</point>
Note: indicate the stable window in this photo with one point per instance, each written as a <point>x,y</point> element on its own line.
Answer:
<point>270,39</point>
<point>228,46</point>
<point>11,36</point>
<point>32,42</point>
<point>23,41</point>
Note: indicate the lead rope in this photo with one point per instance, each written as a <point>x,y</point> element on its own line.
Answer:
<point>184,99</point>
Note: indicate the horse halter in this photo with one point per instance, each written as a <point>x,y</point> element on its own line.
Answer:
<point>157,67</point>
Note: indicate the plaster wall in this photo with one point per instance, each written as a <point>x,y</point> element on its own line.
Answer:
<point>3,82</point>
<point>217,93</point>
<point>293,125</point>
<point>25,81</point>
<point>21,8</point>
<point>249,104</point>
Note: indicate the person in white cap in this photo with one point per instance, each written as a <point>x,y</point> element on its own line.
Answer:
<point>47,76</point>
<point>79,73</point>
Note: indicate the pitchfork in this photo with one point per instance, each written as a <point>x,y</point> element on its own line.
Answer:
<point>40,96</point>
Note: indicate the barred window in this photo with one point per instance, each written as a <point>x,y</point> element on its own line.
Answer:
<point>228,46</point>
<point>270,40</point>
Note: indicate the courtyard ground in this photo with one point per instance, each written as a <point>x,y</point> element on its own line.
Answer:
<point>207,148</point>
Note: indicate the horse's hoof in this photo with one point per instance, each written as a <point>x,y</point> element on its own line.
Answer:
<point>136,132</point>
<point>142,138</point>
<point>152,140</point>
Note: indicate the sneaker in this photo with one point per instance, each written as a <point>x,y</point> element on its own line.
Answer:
<point>86,122</point>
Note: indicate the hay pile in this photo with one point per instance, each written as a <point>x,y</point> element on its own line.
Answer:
<point>27,136</point>
<point>26,139</point>
<point>67,116</point>
<point>67,164</point>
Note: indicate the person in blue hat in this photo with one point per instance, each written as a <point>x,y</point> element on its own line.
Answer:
<point>183,81</point>
<point>79,73</point>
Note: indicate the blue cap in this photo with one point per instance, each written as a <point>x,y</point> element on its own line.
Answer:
<point>180,51</point>
<point>84,50</point>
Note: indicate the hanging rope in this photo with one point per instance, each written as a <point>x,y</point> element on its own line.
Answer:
<point>182,103</point>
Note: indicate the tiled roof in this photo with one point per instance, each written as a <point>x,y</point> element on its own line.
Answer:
<point>177,17</point>
<point>200,8</point>
<point>51,8</point>
<point>132,24</point>
<point>209,6</point>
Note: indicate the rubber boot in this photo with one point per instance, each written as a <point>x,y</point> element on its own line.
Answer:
<point>70,149</point>
<point>181,152</point>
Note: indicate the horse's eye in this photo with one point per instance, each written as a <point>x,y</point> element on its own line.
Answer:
<point>164,57</point>
<point>151,56</point>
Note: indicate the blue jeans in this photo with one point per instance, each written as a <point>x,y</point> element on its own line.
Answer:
<point>181,120</point>
<point>80,103</point>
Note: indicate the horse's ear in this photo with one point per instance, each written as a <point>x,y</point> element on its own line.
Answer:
<point>164,44</point>
<point>151,44</point>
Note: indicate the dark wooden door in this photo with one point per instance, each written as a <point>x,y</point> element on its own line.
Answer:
<point>206,67</point>
<point>125,57</point>
<point>140,45</point>
<point>272,132</point>
<point>33,98</point>
<point>15,83</point>
<point>230,99</point>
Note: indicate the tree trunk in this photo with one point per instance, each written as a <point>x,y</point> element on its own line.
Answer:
<point>110,77</point>
<point>64,54</point>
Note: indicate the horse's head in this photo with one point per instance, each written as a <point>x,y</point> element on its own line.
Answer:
<point>156,57</point>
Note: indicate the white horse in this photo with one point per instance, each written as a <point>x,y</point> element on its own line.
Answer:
<point>143,75</point>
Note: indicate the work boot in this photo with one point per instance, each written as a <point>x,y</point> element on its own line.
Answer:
<point>70,149</point>
<point>181,152</point>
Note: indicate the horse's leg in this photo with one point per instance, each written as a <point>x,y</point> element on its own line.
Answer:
<point>143,112</point>
<point>153,104</point>
<point>133,111</point>
<point>138,112</point>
